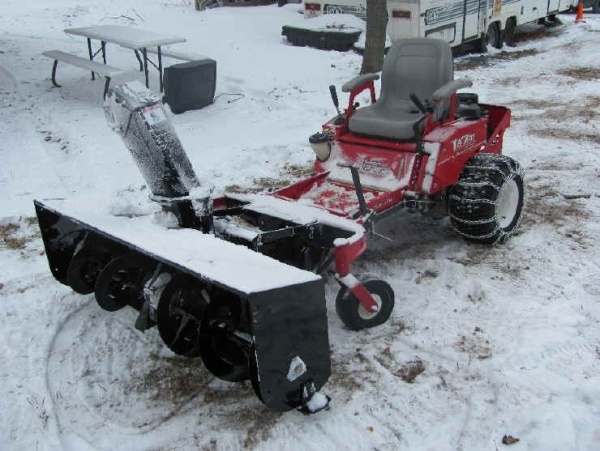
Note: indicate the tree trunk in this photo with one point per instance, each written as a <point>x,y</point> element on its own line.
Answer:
<point>377,17</point>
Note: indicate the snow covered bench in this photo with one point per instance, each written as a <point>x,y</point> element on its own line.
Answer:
<point>177,55</point>
<point>104,70</point>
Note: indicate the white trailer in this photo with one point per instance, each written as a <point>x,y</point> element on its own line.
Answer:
<point>454,21</point>
<point>505,15</point>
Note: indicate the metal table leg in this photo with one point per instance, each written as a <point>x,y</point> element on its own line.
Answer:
<point>54,74</point>
<point>89,42</point>
<point>160,70</point>
<point>137,55</point>
<point>145,55</point>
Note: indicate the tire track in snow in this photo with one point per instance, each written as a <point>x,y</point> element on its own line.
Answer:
<point>547,385</point>
<point>555,358</point>
<point>438,396</point>
<point>110,384</point>
<point>95,366</point>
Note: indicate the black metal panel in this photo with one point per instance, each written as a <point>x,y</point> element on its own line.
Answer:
<point>290,322</point>
<point>60,235</point>
<point>63,236</point>
<point>320,39</point>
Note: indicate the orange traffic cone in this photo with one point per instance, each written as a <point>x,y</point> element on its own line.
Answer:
<point>579,17</point>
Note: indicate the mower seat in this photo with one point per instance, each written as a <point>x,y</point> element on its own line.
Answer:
<point>420,66</point>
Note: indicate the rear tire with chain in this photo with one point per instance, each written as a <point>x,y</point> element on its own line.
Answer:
<point>487,201</point>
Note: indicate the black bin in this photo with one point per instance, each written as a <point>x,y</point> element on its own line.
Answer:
<point>190,86</point>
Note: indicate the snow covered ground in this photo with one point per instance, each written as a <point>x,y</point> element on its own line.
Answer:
<point>508,337</point>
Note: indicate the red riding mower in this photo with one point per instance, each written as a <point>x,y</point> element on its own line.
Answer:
<point>235,279</point>
<point>419,146</point>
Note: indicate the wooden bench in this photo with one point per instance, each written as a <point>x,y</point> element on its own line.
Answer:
<point>177,55</point>
<point>104,70</point>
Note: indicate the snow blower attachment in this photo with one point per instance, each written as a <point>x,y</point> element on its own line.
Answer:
<point>235,280</point>
<point>246,315</point>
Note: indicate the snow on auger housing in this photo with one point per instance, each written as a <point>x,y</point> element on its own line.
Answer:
<point>235,279</point>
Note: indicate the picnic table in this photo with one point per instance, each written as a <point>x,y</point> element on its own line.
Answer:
<point>138,40</point>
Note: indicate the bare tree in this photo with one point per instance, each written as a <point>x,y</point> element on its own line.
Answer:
<point>377,17</point>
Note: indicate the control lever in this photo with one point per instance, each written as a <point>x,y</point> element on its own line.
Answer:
<point>334,97</point>
<point>418,103</point>
<point>362,203</point>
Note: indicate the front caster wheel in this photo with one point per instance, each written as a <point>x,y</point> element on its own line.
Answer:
<point>180,309</point>
<point>122,281</point>
<point>355,316</point>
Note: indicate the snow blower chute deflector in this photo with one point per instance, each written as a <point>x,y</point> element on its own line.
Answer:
<point>257,310</point>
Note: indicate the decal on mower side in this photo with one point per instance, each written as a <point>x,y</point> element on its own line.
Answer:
<point>385,203</point>
<point>372,166</point>
<point>463,141</point>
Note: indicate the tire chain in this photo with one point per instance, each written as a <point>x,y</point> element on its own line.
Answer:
<point>475,196</point>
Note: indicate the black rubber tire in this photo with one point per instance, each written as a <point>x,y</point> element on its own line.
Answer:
<point>481,44</point>
<point>494,36</point>
<point>354,315</point>
<point>85,268</point>
<point>487,201</point>
<point>553,20</point>
<point>222,352</point>
<point>510,37</point>
<point>122,281</point>
<point>179,313</point>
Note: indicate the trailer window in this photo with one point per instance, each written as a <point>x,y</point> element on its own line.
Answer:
<point>399,14</point>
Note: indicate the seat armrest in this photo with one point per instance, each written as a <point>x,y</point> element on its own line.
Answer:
<point>450,88</point>
<point>357,82</point>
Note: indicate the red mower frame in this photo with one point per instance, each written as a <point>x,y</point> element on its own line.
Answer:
<point>371,163</point>
<point>424,168</point>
